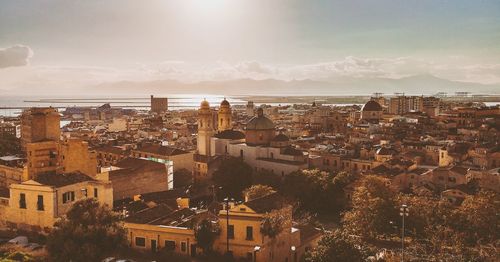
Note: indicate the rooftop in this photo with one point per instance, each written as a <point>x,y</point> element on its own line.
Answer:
<point>60,180</point>
<point>230,134</point>
<point>266,203</point>
<point>161,150</point>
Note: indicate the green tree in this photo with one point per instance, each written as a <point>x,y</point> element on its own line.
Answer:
<point>373,207</point>
<point>274,222</point>
<point>205,234</point>
<point>316,191</point>
<point>335,247</point>
<point>257,191</point>
<point>478,217</point>
<point>88,232</point>
<point>266,177</point>
<point>233,176</point>
<point>425,214</point>
<point>182,178</point>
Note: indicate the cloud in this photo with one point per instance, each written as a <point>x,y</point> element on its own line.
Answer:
<point>17,55</point>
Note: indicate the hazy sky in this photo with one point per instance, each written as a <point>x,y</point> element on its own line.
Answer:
<point>71,42</point>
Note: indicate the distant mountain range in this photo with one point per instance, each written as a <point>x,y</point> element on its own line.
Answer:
<point>419,84</point>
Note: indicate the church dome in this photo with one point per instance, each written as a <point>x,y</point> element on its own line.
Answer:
<point>204,104</point>
<point>281,138</point>
<point>224,103</point>
<point>372,106</point>
<point>260,122</point>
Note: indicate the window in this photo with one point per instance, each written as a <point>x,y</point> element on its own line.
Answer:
<point>39,203</point>
<point>249,233</point>
<point>68,197</point>
<point>230,232</point>
<point>95,193</point>
<point>22,201</point>
<point>183,246</point>
<point>170,245</point>
<point>140,241</point>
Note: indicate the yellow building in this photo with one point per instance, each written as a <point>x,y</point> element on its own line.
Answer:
<point>42,157</point>
<point>12,170</point>
<point>162,227</point>
<point>171,225</point>
<point>246,240</point>
<point>76,156</point>
<point>36,204</point>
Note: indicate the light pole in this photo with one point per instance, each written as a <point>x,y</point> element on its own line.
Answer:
<point>255,250</point>
<point>227,223</point>
<point>294,252</point>
<point>403,212</point>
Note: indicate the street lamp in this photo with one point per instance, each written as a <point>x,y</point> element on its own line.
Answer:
<point>293,248</point>
<point>255,250</point>
<point>403,212</point>
<point>226,200</point>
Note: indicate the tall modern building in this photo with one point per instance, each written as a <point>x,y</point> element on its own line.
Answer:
<point>159,104</point>
<point>40,124</point>
<point>403,104</point>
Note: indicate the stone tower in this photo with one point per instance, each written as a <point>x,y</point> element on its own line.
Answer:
<point>40,124</point>
<point>224,121</point>
<point>206,128</point>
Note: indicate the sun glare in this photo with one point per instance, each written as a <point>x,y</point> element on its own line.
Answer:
<point>207,7</point>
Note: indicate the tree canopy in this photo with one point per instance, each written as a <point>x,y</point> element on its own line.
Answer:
<point>182,178</point>
<point>317,191</point>
<point>335,247</point>
<point>205,234</point>
<point>233,176</point>
<point>373,207</point>
<point>274,222</point>
<point>257,191</point>
<point>88,232</point>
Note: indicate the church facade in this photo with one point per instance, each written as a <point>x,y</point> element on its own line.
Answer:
<point>258,145</point>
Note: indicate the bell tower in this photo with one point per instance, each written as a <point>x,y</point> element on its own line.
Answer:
<point>205,128</point>
<point>224,116</point>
